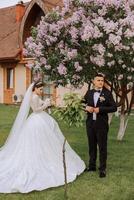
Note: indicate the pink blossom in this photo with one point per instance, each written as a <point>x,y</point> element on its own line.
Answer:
<point>75,18</point>
<point>61,24</point>
<point>62,70</point>
<point>71,54</point>
<point>120,61</point>
<point>78,67</point>
<point>76,77</point>
<point>67,3</point>
<point>111,63</point>
<point>90,30</point>
<point>37,65</point>
<point>48,42</point>
<point>100,48</point>
<point>87,32</point>
<point>99,21</point>
<point>128,33</point>
<point>119,32</point>
<point>48,67</point>
<point>43,60</point>
<point>120,77</point>
<point>132,69</point>
<point>129,77</point>
<point>74,32</point>
<point>110,55</point>
<point>25,52</point>
<point>102,11</point>
<point>114,39</point>
<point>126,48</point>
<point>124,66</point>
<point>98,60</point>
<point>110,27</point>
<point>61,44</point>
<point>97,33</point>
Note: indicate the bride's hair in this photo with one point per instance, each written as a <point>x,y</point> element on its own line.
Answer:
<point>38,84</point>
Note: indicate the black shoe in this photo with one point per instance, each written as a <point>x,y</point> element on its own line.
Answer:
<point>90,169</point>
<point>102,174</point>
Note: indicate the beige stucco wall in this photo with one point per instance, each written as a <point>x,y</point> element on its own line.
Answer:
<point>1,84</point>
<point>20,79</point>
<point>60,91</point>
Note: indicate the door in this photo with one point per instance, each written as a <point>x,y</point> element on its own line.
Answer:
<point>9,81</point>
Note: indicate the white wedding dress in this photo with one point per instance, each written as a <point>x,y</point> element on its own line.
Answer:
<point>31,158</point>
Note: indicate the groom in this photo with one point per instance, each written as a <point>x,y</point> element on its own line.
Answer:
<point>99,103</point>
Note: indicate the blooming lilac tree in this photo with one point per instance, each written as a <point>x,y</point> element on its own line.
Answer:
<point>85,37</point>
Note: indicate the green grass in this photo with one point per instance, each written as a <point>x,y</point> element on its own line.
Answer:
<point>119,183</point>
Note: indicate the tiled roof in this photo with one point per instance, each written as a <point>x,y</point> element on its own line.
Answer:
<point>9,31</point>
<point>9,46</point>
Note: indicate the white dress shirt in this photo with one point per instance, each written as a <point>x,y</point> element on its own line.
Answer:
<point>96,97</point>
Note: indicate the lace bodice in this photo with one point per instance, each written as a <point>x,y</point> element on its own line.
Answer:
<point>37,104</point>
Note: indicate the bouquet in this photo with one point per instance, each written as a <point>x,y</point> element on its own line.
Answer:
<point>72,113</point>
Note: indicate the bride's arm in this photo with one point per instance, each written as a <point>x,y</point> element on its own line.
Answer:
<point>38,105</point>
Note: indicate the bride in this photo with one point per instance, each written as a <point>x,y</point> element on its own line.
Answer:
<point>31,158</point>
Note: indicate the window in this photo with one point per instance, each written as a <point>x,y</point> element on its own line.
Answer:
<point>9,78</point>
<point>49,86</point>
<point>48,89</point>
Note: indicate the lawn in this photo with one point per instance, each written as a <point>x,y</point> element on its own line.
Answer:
<point>119,183</point>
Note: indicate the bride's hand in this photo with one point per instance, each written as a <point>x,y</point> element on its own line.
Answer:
<point>47,102</point>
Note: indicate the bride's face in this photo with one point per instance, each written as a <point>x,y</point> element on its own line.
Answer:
<point>39,91</point>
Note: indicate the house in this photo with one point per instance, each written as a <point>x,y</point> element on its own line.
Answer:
<point>15,27</point>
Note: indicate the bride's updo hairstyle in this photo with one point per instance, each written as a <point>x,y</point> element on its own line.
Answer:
<point>38,84</point>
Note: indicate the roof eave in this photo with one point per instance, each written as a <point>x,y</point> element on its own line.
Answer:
<point>15,58</point>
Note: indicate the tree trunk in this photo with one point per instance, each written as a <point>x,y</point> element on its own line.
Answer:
<point>110,116</point>
<point>117,113</point>
<point>122,127</point>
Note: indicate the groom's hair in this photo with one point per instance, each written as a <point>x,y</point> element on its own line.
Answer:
<point>99,75</point>
<point>38,84</point>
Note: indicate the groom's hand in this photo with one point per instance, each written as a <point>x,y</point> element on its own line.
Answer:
<point>96,110</point>
<point>89,109</point>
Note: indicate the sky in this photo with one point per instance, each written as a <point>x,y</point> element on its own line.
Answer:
<point>7,3</point>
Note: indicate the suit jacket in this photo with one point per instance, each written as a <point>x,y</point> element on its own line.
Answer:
<point>105,103</point>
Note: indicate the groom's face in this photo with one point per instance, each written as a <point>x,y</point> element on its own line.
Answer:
<point>98,82</point>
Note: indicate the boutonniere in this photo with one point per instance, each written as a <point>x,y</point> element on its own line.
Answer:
<point>102,98</point>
